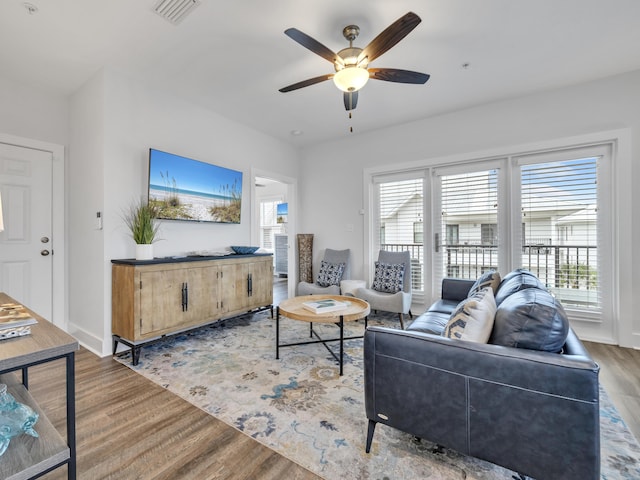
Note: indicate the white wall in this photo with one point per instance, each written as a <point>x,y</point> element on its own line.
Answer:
<point>331,184</point>
<point>87,291</point>
<point>33,113</point>
<point>133,119</point>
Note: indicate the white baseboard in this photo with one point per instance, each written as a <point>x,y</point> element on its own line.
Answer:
<point>88,340</point>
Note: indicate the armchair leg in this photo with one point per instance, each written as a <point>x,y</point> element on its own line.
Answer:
<point>370,430</point>
<point>401,321</point>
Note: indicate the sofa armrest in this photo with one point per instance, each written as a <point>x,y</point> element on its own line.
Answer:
<point>456,289</point>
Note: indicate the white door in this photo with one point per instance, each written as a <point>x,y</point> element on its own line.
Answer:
<point>26,246</point>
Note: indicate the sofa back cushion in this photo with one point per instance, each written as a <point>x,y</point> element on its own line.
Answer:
<point>473,318</point>
<point>515,281</point>
<point>487,279</point>
<point>531,318</point>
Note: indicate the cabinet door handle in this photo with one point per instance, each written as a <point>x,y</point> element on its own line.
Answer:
<point>185,297</point>
<point>250,285</point>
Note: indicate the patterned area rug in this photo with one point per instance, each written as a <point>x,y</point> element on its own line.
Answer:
<point>301,407</point>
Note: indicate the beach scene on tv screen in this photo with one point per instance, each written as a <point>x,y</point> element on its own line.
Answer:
<point>184,189</point>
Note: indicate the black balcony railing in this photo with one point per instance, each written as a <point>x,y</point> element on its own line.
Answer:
<point>566,269</point>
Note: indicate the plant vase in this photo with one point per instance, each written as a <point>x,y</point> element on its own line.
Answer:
<point>144,251</point>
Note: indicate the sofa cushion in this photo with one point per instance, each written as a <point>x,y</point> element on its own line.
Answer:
<point>515,281</point>
<point>487,279</point>
<point>330,274</point>
<point>430,322</point>
<point>444,306</point>
<point>473,319</point>
<point>388,277</point>
<point>531,318</point>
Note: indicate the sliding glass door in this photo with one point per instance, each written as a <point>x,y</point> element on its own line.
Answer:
<point>549,212</point>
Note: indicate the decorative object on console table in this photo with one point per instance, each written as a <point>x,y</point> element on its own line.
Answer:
<point>15,321</point>
<point>15,419</point>
<point>305,257</point>
<point>140,218</point>
<point>244,250</point>
<point>14,315</point>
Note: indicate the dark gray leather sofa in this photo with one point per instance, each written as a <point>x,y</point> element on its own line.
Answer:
<point>534,412</point>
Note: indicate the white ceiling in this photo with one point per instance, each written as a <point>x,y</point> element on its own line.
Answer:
<point>232,56</point>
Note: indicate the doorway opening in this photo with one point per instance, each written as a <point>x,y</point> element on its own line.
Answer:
<point>272,208</point>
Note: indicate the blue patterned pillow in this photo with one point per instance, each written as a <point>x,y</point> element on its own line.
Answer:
<point>330,274</point>
<point>388,277</point>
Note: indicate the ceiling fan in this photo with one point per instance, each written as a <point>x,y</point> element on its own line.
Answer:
<point>352,64</point>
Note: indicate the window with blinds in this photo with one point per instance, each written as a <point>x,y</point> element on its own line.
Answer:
<point>469,242</point>
<point>400,222</point>
<point>269,223</point>
<point>559,203</point>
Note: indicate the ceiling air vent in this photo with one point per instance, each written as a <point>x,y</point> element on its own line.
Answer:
<point>174,11</point>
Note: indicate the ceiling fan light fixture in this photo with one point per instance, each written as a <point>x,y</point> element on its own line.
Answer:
<point>351,78</point>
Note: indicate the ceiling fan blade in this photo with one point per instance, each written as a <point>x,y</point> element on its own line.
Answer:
<point>313,45</point>
<point>350,100</point>
<point>398,76</point>
<point>390,36</point>
<point>306,83</point>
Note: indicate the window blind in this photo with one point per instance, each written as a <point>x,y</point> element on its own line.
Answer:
<point>560,228</point>
<point>400,224</point>
<point>469,240</point>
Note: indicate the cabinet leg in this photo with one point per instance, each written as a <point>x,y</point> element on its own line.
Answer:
<point>135,355</point>
<point>115,344</point>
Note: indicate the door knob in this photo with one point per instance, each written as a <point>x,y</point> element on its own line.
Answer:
<point>44,253</point>
<point>44,239</point>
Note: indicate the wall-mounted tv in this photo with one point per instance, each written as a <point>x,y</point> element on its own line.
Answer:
<point>181,188</point>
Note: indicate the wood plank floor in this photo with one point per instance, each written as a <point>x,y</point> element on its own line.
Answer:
<point>131,428</point>
<point>620,376</point>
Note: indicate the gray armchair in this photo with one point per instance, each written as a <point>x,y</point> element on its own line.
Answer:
<point>398,302</point>
<point>332,257</point>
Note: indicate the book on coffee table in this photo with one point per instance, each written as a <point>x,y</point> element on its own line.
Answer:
<point>325,306</point>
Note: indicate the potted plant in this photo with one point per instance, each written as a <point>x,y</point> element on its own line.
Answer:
<point>140,218</point>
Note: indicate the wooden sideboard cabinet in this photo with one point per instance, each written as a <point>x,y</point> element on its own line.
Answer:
<point>154,298</point>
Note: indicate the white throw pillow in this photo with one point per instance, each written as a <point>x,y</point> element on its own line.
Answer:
<point>473,318</point>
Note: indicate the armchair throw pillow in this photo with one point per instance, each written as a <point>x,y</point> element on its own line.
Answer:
<point>330,274</point>
<point>388,277</point>
<point>473,318</point>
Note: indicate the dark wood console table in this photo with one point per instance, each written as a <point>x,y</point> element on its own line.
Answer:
<point>28,457</point>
